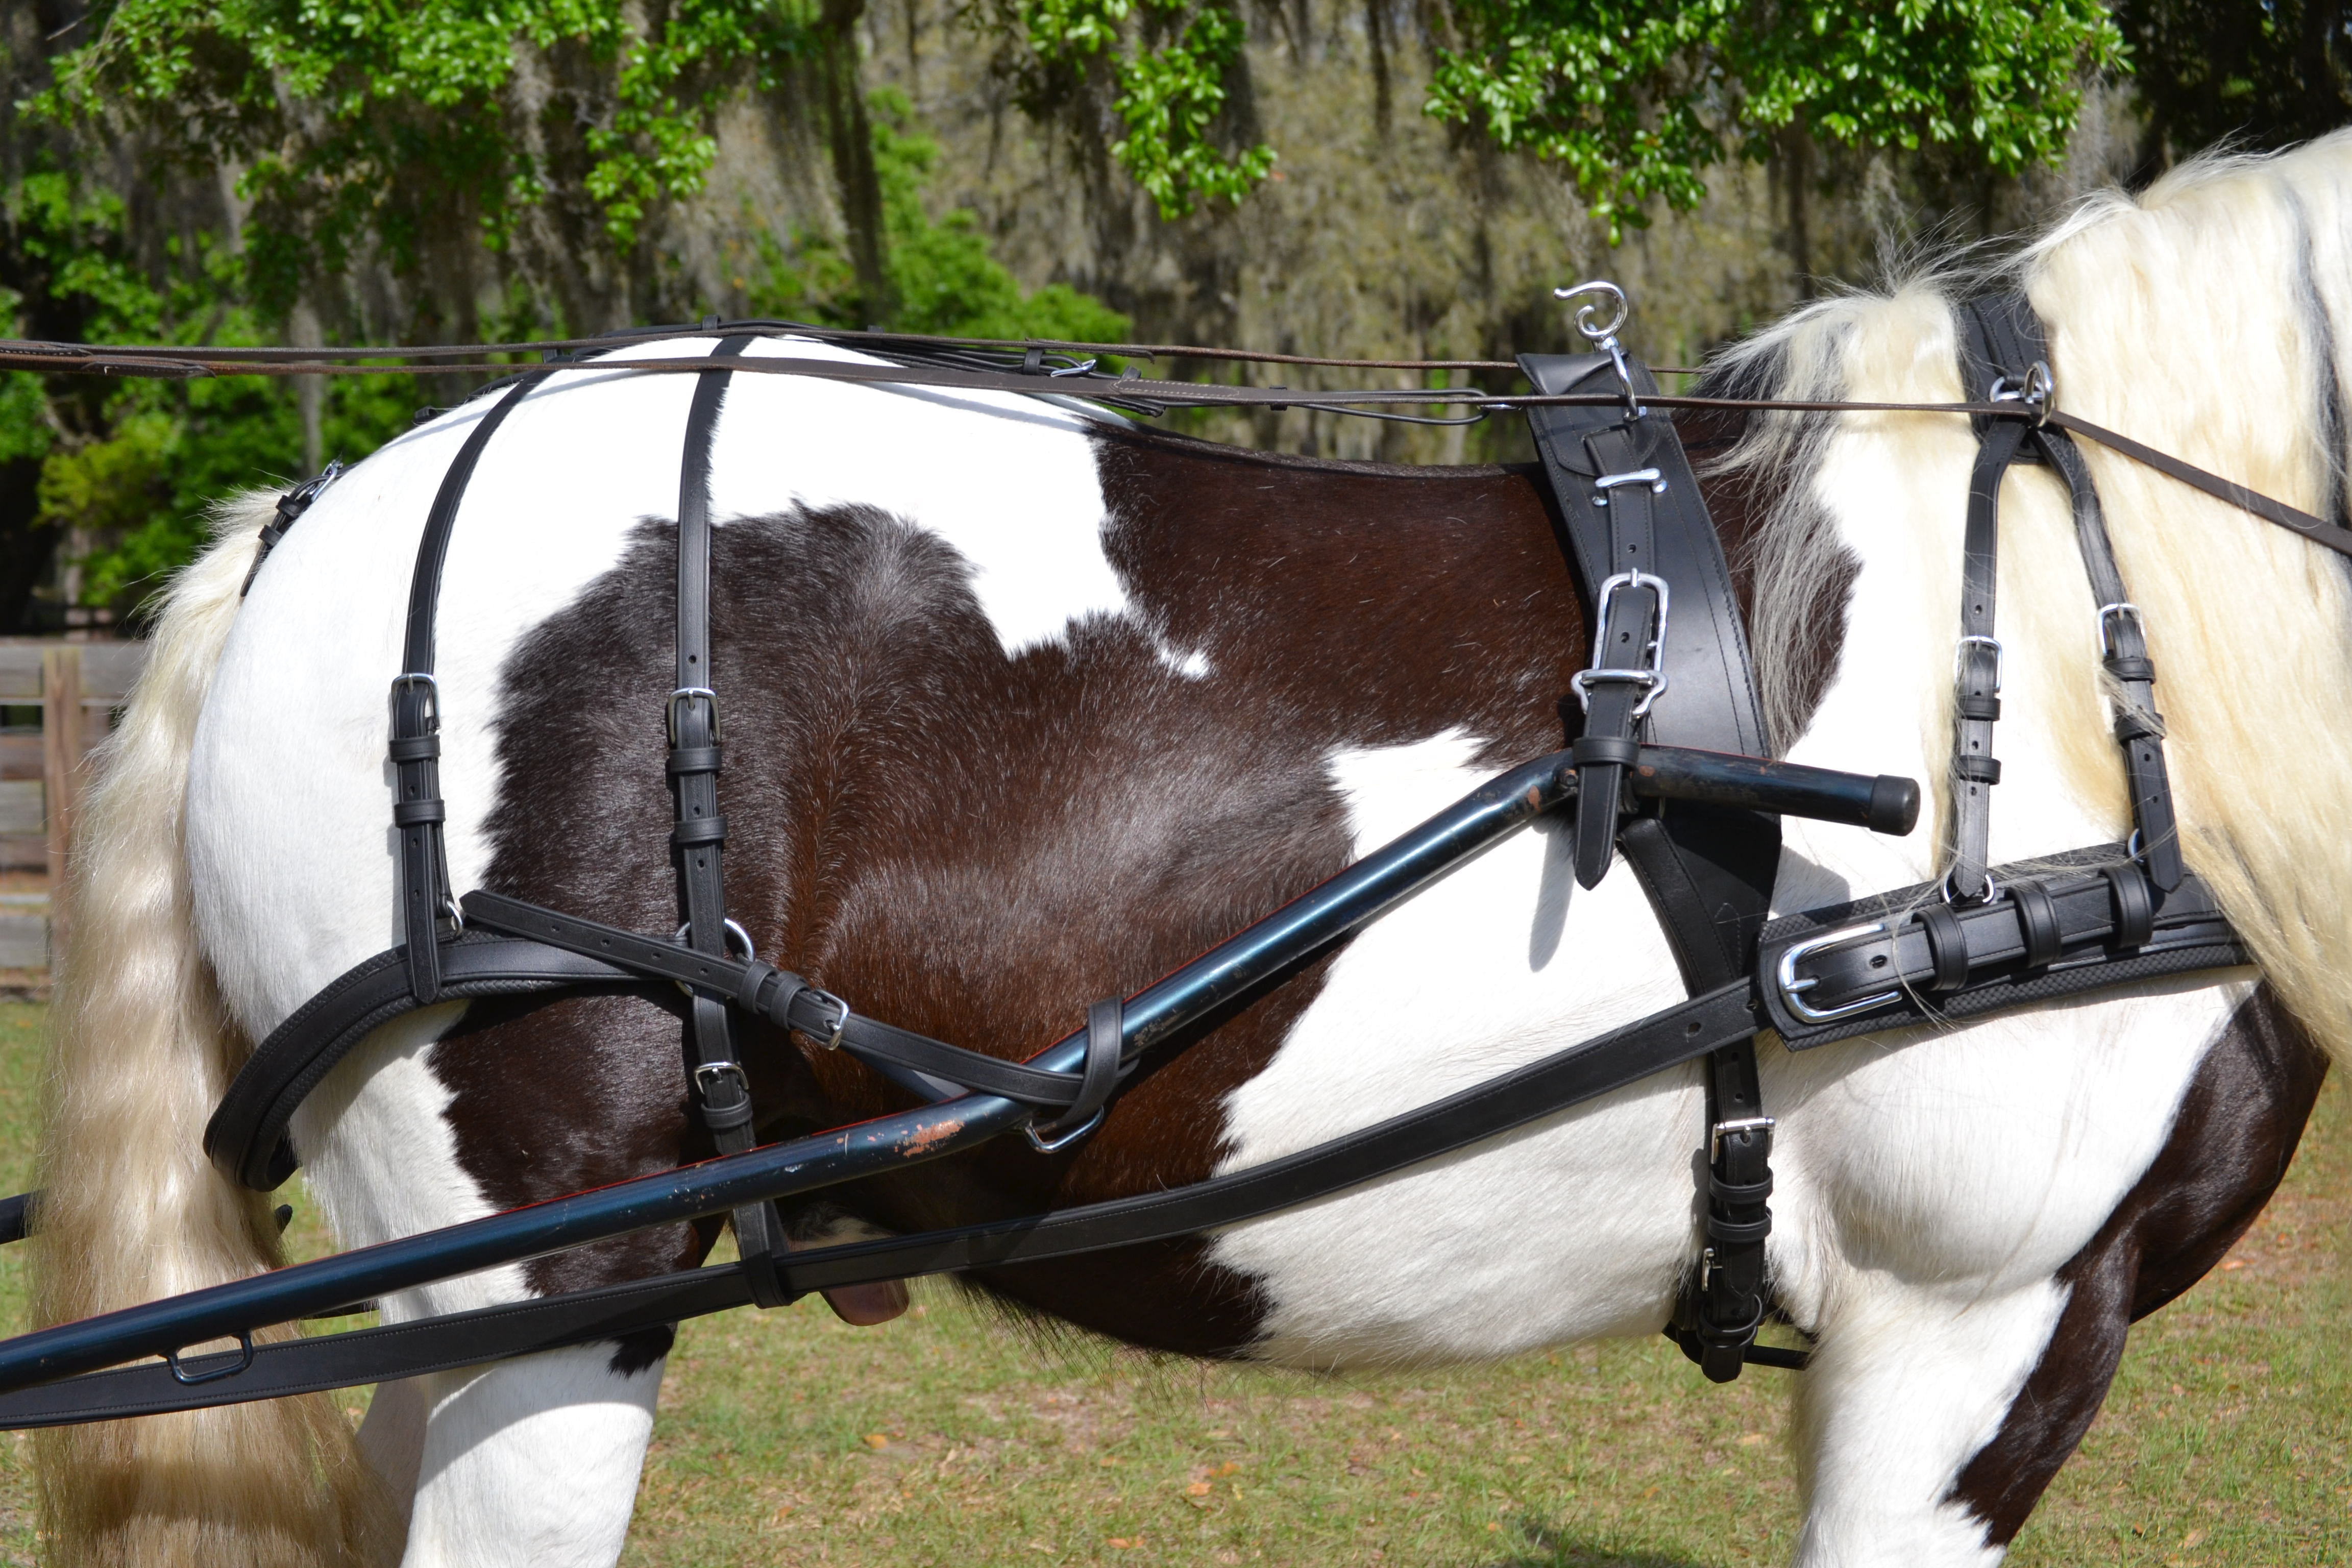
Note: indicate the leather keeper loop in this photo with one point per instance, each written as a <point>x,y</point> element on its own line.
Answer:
<point>1972,706</point>
<point>409,813</point>
<point>1977,770</point>
<point>1736,1233</point>
<point>2135,906</point>
<point>727,1118</point>
<point>687,760</point>
<point>754,979</point>
<point>2137,724</point>
<point>1740,1192</point>
<point>2124,668</point>
<point>415,748</point>
<point>1948,946</point>
<point>1603,750</point>
<point>2037,921</point>
<point>700,830</point>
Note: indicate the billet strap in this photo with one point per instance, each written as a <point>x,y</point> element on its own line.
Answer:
<point>2053,928</point>
<point>427,905</point>
<point>2001,352</point>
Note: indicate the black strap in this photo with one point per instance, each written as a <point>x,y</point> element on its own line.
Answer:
<point>2060,926</point>
<point>1977,666</point>
<point>1569,1077</point>
<point>2003,358</point>
<point>289,509</point>
<point>426,907</point>
<point>722,1093</point>
<point>1637,529</point>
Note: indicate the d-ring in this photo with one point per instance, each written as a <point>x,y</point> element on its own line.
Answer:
<point>736,937</point>
<point>1593,334</point>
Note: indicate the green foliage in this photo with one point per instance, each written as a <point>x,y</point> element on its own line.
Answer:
<point>137,466</point>
<point>940,271</point>
<point>1637,99</point>
<point>1169,69</point>
<point>362,118</point>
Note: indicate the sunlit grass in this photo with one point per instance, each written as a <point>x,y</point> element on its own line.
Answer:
<point>953,1438</point>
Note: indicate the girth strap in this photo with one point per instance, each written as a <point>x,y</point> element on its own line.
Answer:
<point>1670,661</point>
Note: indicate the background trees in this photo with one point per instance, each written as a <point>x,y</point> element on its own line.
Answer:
<point>1388,176</point>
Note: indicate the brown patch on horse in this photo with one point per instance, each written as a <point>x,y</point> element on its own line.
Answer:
<point>976,845</point>
<point>2236,1129</point>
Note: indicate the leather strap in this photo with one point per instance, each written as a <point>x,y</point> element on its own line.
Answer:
<point>2002,344</point>
<point>722,1093</point>
<point>1977,666</point>
<point>1637,529</point>
<point>426,907</point>
<point>1569,1077</point>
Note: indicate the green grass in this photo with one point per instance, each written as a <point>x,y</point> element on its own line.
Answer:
<point>950,1436</point>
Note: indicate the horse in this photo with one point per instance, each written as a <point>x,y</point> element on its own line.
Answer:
<point>1026,704</point>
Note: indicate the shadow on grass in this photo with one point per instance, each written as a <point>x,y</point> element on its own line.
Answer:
<point>1541,1546</point>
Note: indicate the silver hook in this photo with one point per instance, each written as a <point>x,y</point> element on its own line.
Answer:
<point>1600,336</point>
<point>1604,336</point>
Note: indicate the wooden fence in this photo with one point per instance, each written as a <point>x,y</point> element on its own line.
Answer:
<point>77,686</point>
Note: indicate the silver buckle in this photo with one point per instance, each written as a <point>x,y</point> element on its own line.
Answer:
<point>708,1071</point>
<point>1722,1129</point>
<point>842,1015</point>
<point>432,691</point>
<point>2115,612</point>
<point>1961,656</point>
<point>1653,676</point>
<point>690,692</point>
<point>1792,987</point>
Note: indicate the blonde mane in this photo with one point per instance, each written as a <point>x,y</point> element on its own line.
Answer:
<point>2211,318</point>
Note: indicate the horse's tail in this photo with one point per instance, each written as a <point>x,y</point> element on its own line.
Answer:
<point>131,1209</point>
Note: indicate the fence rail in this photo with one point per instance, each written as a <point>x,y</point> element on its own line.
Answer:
<point>77,686</point>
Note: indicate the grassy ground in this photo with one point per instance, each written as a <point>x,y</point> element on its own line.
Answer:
<point>788,1439</point>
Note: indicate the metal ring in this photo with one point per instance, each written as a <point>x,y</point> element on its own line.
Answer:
<point>1593,334</point>
<point>1951,894</point>
<point>734,934</point>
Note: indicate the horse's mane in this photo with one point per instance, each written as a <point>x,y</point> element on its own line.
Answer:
<point>2209,316</point>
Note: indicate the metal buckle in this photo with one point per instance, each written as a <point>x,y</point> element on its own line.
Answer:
<point>1607,482</point>
<point>708,1071</point>
<point>1048,1145</point>
<point>670,710</point>
<point>1961,654</point>
<point>1722,1129</point>
<point>1792,987</point>
<point>432,691</point>
<point>841,1019</point>
<point>2115,612</point>
<point>1653,676</point>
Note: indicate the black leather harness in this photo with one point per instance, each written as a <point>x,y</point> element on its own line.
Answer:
<point>1665,762</point>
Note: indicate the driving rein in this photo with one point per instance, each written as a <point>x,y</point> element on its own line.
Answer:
<point>1666,711</point>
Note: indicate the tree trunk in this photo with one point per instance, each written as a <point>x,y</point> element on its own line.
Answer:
<point>852,133</point>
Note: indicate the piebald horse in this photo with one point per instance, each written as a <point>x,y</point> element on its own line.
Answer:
<point>1025,706</point>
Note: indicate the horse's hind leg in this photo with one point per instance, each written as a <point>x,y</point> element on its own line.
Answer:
<point>1915,1454</point>
<point>533,1462</point>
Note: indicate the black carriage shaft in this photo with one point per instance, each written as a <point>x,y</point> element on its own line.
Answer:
<point>1203,988</point>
